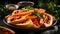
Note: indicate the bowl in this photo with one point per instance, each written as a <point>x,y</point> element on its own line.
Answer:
<point>25,3</point>
<point>30,29</point>
<point>12,6</point>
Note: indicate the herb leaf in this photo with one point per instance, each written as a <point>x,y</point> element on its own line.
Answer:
<point>27,7</point>
<point>37,14</point>
<point>34,14</point>
<point>40,15</point>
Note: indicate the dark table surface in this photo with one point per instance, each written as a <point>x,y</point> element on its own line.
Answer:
<point>3,24</point>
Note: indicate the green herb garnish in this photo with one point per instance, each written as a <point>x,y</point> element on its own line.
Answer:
<point>27,7</point>
<point>34,14</point>
<point>40,15</point>
<point>37,14</point>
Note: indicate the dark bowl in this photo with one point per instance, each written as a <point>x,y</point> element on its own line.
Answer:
<point>25,3</point>
<point>29,29</point>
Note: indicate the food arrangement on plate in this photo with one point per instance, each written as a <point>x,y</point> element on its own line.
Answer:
<point>33,18</point>
<point>29,17</point>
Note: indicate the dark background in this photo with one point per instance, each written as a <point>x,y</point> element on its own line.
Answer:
<point>16,1</point>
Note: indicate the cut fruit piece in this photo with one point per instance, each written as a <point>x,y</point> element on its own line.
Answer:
<point>4,30</point>
<point>21,12</point>
<point>17,20</point>
<point>41,11</point>
<point>16,12</point>
<point>41,22</point>
<point>27,24</point>
<point>36,23</point>
<point>49,22</point>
